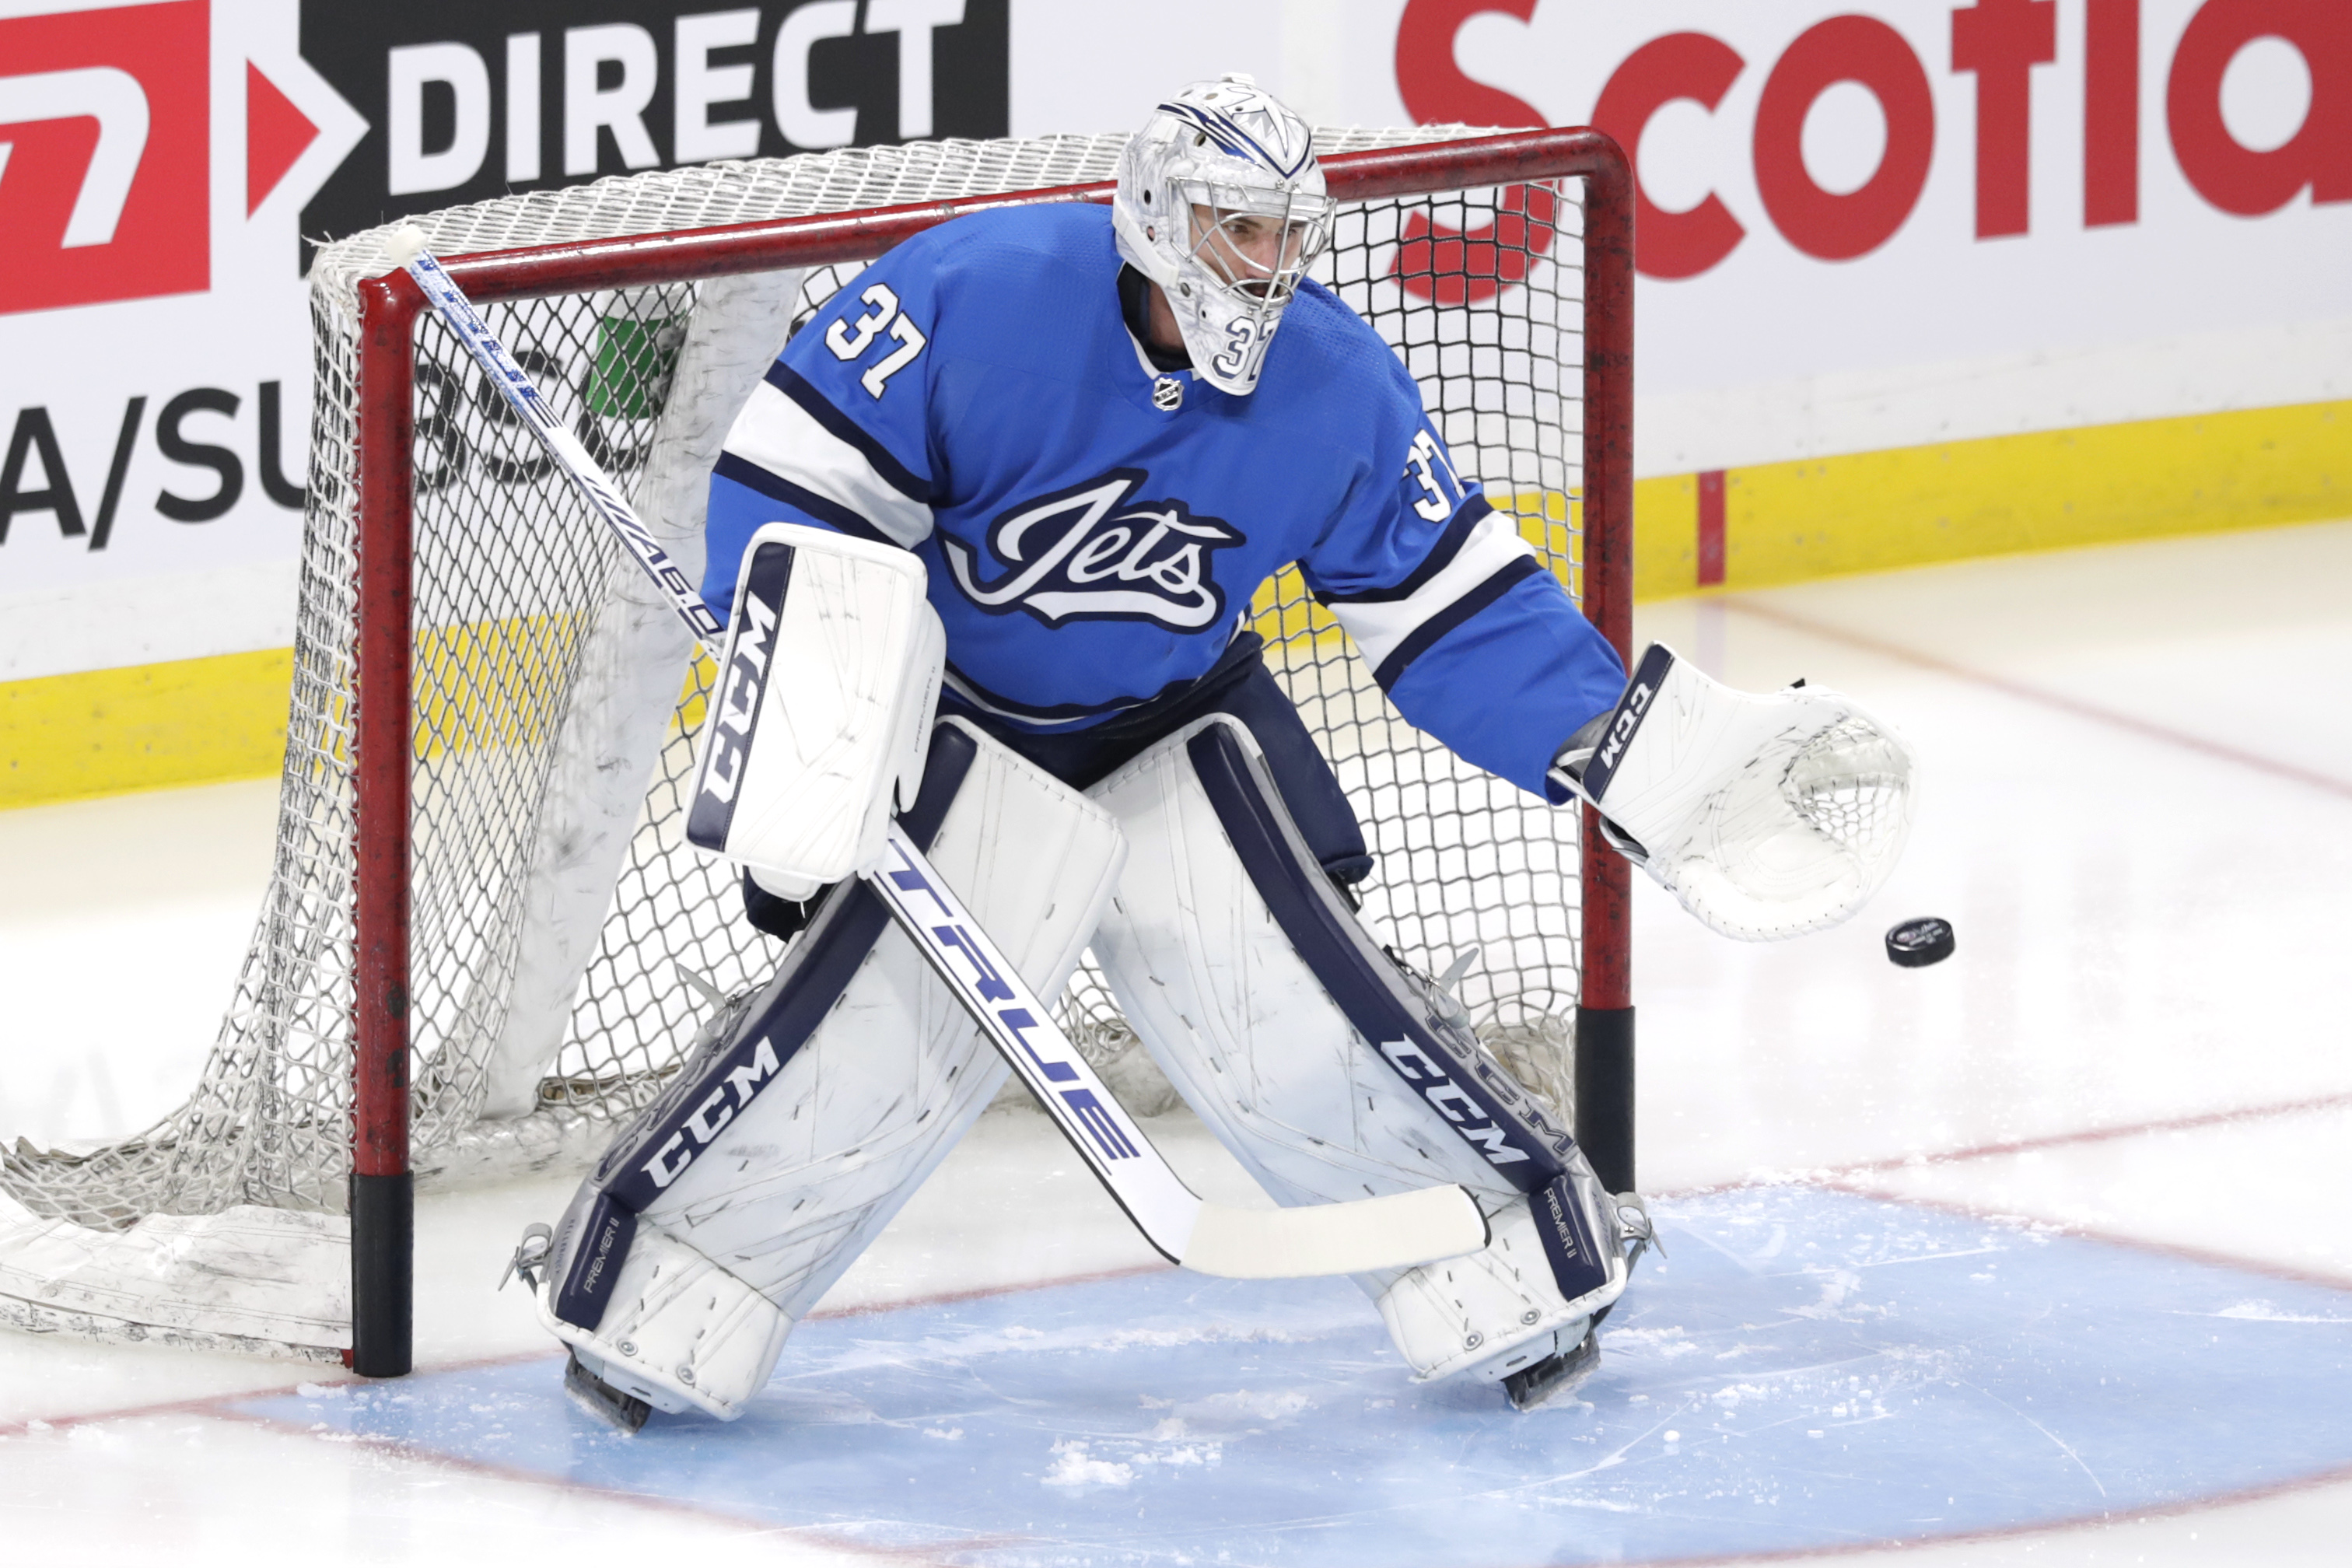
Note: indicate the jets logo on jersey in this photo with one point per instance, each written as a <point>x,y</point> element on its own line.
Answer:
<point>1091,552</point>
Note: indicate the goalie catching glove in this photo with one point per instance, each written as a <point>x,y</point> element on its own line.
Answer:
<point>1766,817</point>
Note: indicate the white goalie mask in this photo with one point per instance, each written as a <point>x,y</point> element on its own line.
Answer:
<point>1221,202</point>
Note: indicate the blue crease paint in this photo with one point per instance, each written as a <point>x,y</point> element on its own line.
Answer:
<point>1805,1370</point>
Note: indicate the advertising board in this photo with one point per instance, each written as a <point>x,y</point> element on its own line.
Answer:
<point>1919,246</point>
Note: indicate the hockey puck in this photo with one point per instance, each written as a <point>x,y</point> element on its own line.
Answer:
<point>1915,944</point>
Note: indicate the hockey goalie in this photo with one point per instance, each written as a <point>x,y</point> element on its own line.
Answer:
<point>986,537</point>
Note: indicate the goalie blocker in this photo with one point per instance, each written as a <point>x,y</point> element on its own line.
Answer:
<point>841,739</point>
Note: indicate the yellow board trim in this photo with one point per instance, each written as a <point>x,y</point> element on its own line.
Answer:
<point>1874,512</point>
<point>105,732</point>
<point>201,721</point>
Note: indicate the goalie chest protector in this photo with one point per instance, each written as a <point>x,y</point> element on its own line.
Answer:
<point>1094,528</point>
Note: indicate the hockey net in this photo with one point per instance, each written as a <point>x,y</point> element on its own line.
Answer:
<point>563,942</point>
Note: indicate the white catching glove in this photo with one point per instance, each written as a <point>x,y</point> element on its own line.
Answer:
<point>1766,817</point>
<point>823,707</point>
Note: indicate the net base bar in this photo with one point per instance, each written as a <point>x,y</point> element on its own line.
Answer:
<point>250,1281</point>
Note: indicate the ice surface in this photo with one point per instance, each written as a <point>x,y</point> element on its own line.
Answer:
<point>123,922</point>
<point>1807,1370</point>
<point>2138,814</point>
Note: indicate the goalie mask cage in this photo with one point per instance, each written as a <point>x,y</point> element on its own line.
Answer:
<point>485,944</point>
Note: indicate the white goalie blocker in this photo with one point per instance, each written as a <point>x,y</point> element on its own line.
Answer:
<point>833,663</point>
<point>1767,815</point>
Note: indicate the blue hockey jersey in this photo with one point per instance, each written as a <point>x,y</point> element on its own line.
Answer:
<point>1094,528</point>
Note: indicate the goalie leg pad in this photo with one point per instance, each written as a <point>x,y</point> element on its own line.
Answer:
<point>814,1109</point>
<point>679,1332</point>
<point>1327,1069</point>
<point>1498,1312</point>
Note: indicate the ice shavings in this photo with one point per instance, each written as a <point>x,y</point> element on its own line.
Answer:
<point>1015,1340</point>
<point>1243,1405</point>
<point>1073,1468</point>
<point>2264,1312</point>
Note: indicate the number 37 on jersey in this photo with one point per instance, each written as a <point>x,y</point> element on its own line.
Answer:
<point>849,339</point>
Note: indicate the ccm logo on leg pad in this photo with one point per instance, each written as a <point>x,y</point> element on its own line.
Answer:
<point>1482,1132</point>
<point>712,1114</point>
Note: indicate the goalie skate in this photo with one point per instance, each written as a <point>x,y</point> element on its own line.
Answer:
<point>624,1413</point>
<point>1557,1376</point>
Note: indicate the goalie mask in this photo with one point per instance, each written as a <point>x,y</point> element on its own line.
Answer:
<point>1221,202</point>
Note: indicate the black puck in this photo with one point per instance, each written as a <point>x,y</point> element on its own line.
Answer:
<point>1915,944</point>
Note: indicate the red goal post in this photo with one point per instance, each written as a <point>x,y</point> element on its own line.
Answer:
<point>384,741</point>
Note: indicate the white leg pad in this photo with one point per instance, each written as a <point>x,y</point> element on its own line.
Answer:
<point>784,1149</point>
<point>1489,1314</point>
<point>1239,1024</point>
<point>681,1334</point>
<point>797,1185</point>
<point>1256,1045</point>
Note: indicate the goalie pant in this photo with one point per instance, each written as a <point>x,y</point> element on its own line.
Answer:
<point>808,1116</point>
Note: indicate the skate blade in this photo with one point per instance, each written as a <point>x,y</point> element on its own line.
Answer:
<point>1555,1375</point>
<point>625,1413</point>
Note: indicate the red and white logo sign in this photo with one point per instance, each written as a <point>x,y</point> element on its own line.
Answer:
<point>1972,65</point>
<point>111,136</point>
<point>104,155</point>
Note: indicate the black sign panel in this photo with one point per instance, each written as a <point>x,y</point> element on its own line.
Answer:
<point>465,101</point>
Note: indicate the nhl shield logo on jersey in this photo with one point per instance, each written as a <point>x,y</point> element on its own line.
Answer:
<point>1089,552</point>
<point>1167,394</point>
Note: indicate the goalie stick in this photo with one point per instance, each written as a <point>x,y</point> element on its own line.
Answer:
<point>1368,1235</point>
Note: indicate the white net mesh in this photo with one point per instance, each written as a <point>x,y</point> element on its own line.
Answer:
<point>524,667</point>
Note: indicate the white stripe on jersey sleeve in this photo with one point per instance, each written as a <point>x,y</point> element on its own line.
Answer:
<point>779,436</point>
<point>1379,626</point>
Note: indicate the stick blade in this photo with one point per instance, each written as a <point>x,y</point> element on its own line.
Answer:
<point>1395,1232</point>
